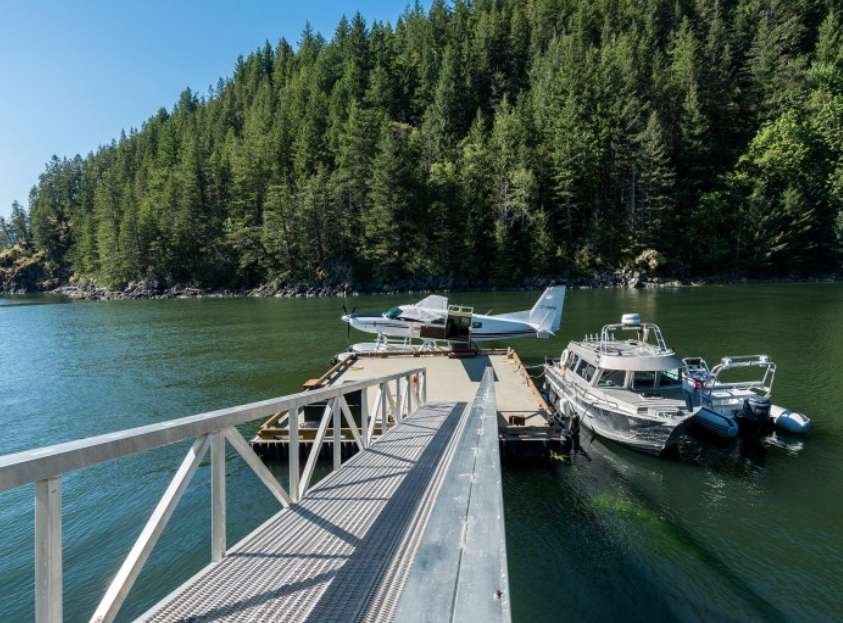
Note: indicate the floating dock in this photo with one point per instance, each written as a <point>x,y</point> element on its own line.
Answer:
<point>409,529</point>
<point>525,425</point>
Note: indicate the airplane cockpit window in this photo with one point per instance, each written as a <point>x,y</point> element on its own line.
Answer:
<point>393,313</point>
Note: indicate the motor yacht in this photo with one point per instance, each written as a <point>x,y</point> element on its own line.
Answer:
<point>626,389</point>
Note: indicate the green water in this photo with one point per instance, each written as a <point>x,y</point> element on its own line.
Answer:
<point>719,532</point>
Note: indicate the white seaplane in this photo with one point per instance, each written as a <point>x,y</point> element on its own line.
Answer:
<point>433,320</point>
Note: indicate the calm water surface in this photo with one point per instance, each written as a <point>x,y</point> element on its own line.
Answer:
<point>720,531</point>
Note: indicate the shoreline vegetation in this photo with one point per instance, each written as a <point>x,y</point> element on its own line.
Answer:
<point>629,279</point>
<point>496,141</point>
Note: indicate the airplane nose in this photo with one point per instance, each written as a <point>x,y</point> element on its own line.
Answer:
<point>346,318</point>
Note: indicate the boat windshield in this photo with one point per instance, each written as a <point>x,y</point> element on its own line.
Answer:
<point>393,313</point>
<point>612,378</point>
<point>664,379</point>
<point>644,380</point>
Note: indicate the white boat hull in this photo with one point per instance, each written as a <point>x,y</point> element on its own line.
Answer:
<point>639,432</point>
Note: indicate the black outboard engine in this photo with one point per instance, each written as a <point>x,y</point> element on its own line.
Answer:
<point>755,416</point>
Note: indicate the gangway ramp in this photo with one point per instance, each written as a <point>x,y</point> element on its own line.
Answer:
<point>360,545</point>
<point>321,559</point>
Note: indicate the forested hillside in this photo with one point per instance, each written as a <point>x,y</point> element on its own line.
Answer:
<point>486,141</point>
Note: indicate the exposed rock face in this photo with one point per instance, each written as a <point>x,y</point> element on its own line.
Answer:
<point>22,272</point>
<point>621,279</point>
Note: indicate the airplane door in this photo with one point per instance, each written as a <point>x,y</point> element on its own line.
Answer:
<point>458,324</point>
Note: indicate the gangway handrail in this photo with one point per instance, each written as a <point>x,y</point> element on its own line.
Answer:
<point>45,467</point>
<point>470,582</point>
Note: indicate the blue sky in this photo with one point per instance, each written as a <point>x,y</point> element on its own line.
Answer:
<point>74,73</point>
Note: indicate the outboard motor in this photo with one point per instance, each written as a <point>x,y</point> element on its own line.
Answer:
<point>755,415</point>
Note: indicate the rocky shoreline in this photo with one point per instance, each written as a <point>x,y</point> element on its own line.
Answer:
<point>627,280</point>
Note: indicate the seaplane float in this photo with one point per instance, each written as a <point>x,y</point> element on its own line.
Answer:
<point>639,393</point>
<point>440,325</point>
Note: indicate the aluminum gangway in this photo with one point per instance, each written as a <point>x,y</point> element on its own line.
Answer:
<point>409,529</point>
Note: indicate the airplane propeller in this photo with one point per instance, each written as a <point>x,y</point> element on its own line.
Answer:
<point>348,324</point>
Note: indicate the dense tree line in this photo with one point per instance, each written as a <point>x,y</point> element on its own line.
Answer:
<point>485,140</point>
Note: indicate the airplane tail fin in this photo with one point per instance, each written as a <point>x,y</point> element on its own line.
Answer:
<point>546,315</point>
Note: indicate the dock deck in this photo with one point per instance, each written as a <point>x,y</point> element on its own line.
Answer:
<point>524,419</point>
<point>459,380</point>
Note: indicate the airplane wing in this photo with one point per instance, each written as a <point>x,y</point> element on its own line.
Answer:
<point>427,310</point>
<point>421,314</point>
<point>434,302</point>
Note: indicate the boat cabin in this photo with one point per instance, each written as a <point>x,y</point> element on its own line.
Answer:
<point>635,370</point>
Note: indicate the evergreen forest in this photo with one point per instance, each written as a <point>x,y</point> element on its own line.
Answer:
<point>483,141</point>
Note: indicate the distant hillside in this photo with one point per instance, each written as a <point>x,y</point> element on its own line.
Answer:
<point>488,141</point>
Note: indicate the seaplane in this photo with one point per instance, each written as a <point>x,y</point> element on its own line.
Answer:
<point>434,321</point>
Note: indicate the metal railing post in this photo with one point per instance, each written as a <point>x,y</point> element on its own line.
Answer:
<point>293,452</point>
<point>424,387</point>
<point>384,398</point>
<point>409,401</point>
<point>399,398</point>
<point>364,415</point>
<point>218,532</point>
<point>337,435</point>
<point>48,565</point>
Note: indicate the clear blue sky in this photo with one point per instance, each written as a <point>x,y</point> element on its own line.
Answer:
<point>74,73</point>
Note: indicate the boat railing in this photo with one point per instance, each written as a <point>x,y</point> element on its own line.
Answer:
<point>765,384</point>
<point>646,330</point>
<point>46,466</point>
<point>589,395</point>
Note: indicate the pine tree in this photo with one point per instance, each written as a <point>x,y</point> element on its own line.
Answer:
<point>390,235</point>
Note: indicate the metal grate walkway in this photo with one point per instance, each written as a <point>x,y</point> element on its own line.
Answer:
<point>326,558</point>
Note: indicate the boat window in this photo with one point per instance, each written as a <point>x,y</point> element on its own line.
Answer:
<point>476,325</point>
<point>586,370</point>
<point>612,378</point>
<point>393,313</point>
<point>670,378</point>
<point>580,366</point>
<point>575,359</point>
<point>644,380</point>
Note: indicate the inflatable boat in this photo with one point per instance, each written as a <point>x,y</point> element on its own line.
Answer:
<point>730,407</point>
